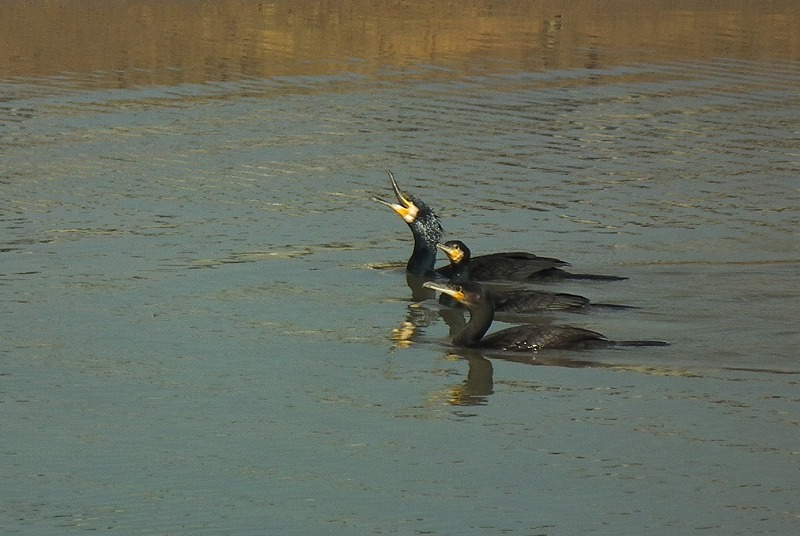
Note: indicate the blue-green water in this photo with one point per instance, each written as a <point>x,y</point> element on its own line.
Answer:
<point>200,334</point>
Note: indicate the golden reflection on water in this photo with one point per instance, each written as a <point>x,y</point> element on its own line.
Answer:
<point>130,43</point>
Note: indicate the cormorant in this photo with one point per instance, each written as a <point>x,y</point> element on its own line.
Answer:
<point>424,225</point>
<point>427,231</point>
<point>515,301</point>
<point>525,338</point>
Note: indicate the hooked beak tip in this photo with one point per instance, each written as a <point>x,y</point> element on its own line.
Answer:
<point>397,193</point>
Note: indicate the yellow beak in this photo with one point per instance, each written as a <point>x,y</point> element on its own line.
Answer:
<point>455,254</point>
<point>405,208</point>
<point>451,290</point>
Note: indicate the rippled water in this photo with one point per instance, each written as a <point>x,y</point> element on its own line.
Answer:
<point>207,329</point>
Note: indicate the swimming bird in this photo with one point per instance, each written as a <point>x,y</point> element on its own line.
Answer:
<point>514,301</point>
<point>427,230</point>
<point>524,338</point>
<point>424,225</point>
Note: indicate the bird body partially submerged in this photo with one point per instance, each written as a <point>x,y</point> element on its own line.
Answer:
<point>525,338</point>
<point>513,265</point>
<point>516,301</point>
<point>424,225</point>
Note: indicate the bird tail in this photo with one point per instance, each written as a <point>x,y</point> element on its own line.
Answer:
<point>594,277</point>
<point>640,343</point>
<point>553,274</point>
<point>614,306</point>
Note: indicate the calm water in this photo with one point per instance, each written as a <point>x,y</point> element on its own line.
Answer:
<point>206,328</point>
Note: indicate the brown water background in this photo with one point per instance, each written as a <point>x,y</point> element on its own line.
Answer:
<point>204,323</point>
<point>126,43</point>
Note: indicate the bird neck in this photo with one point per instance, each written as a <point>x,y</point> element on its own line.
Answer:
<point>423,258</point>
<point>459,272</point>
<point>481,315</point>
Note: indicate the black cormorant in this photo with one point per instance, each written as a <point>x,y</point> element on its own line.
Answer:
<point>515,301</point>
<point>525,338</point>
<point>427,231</point>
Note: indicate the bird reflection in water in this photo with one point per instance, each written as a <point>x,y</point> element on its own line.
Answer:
<point>476,388</point>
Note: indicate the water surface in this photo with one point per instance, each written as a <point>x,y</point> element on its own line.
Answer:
<point>207,329</point>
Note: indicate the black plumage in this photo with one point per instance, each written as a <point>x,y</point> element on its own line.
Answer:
<point>524,338</point>
<point>515,301</point>
<point>514,265</point>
